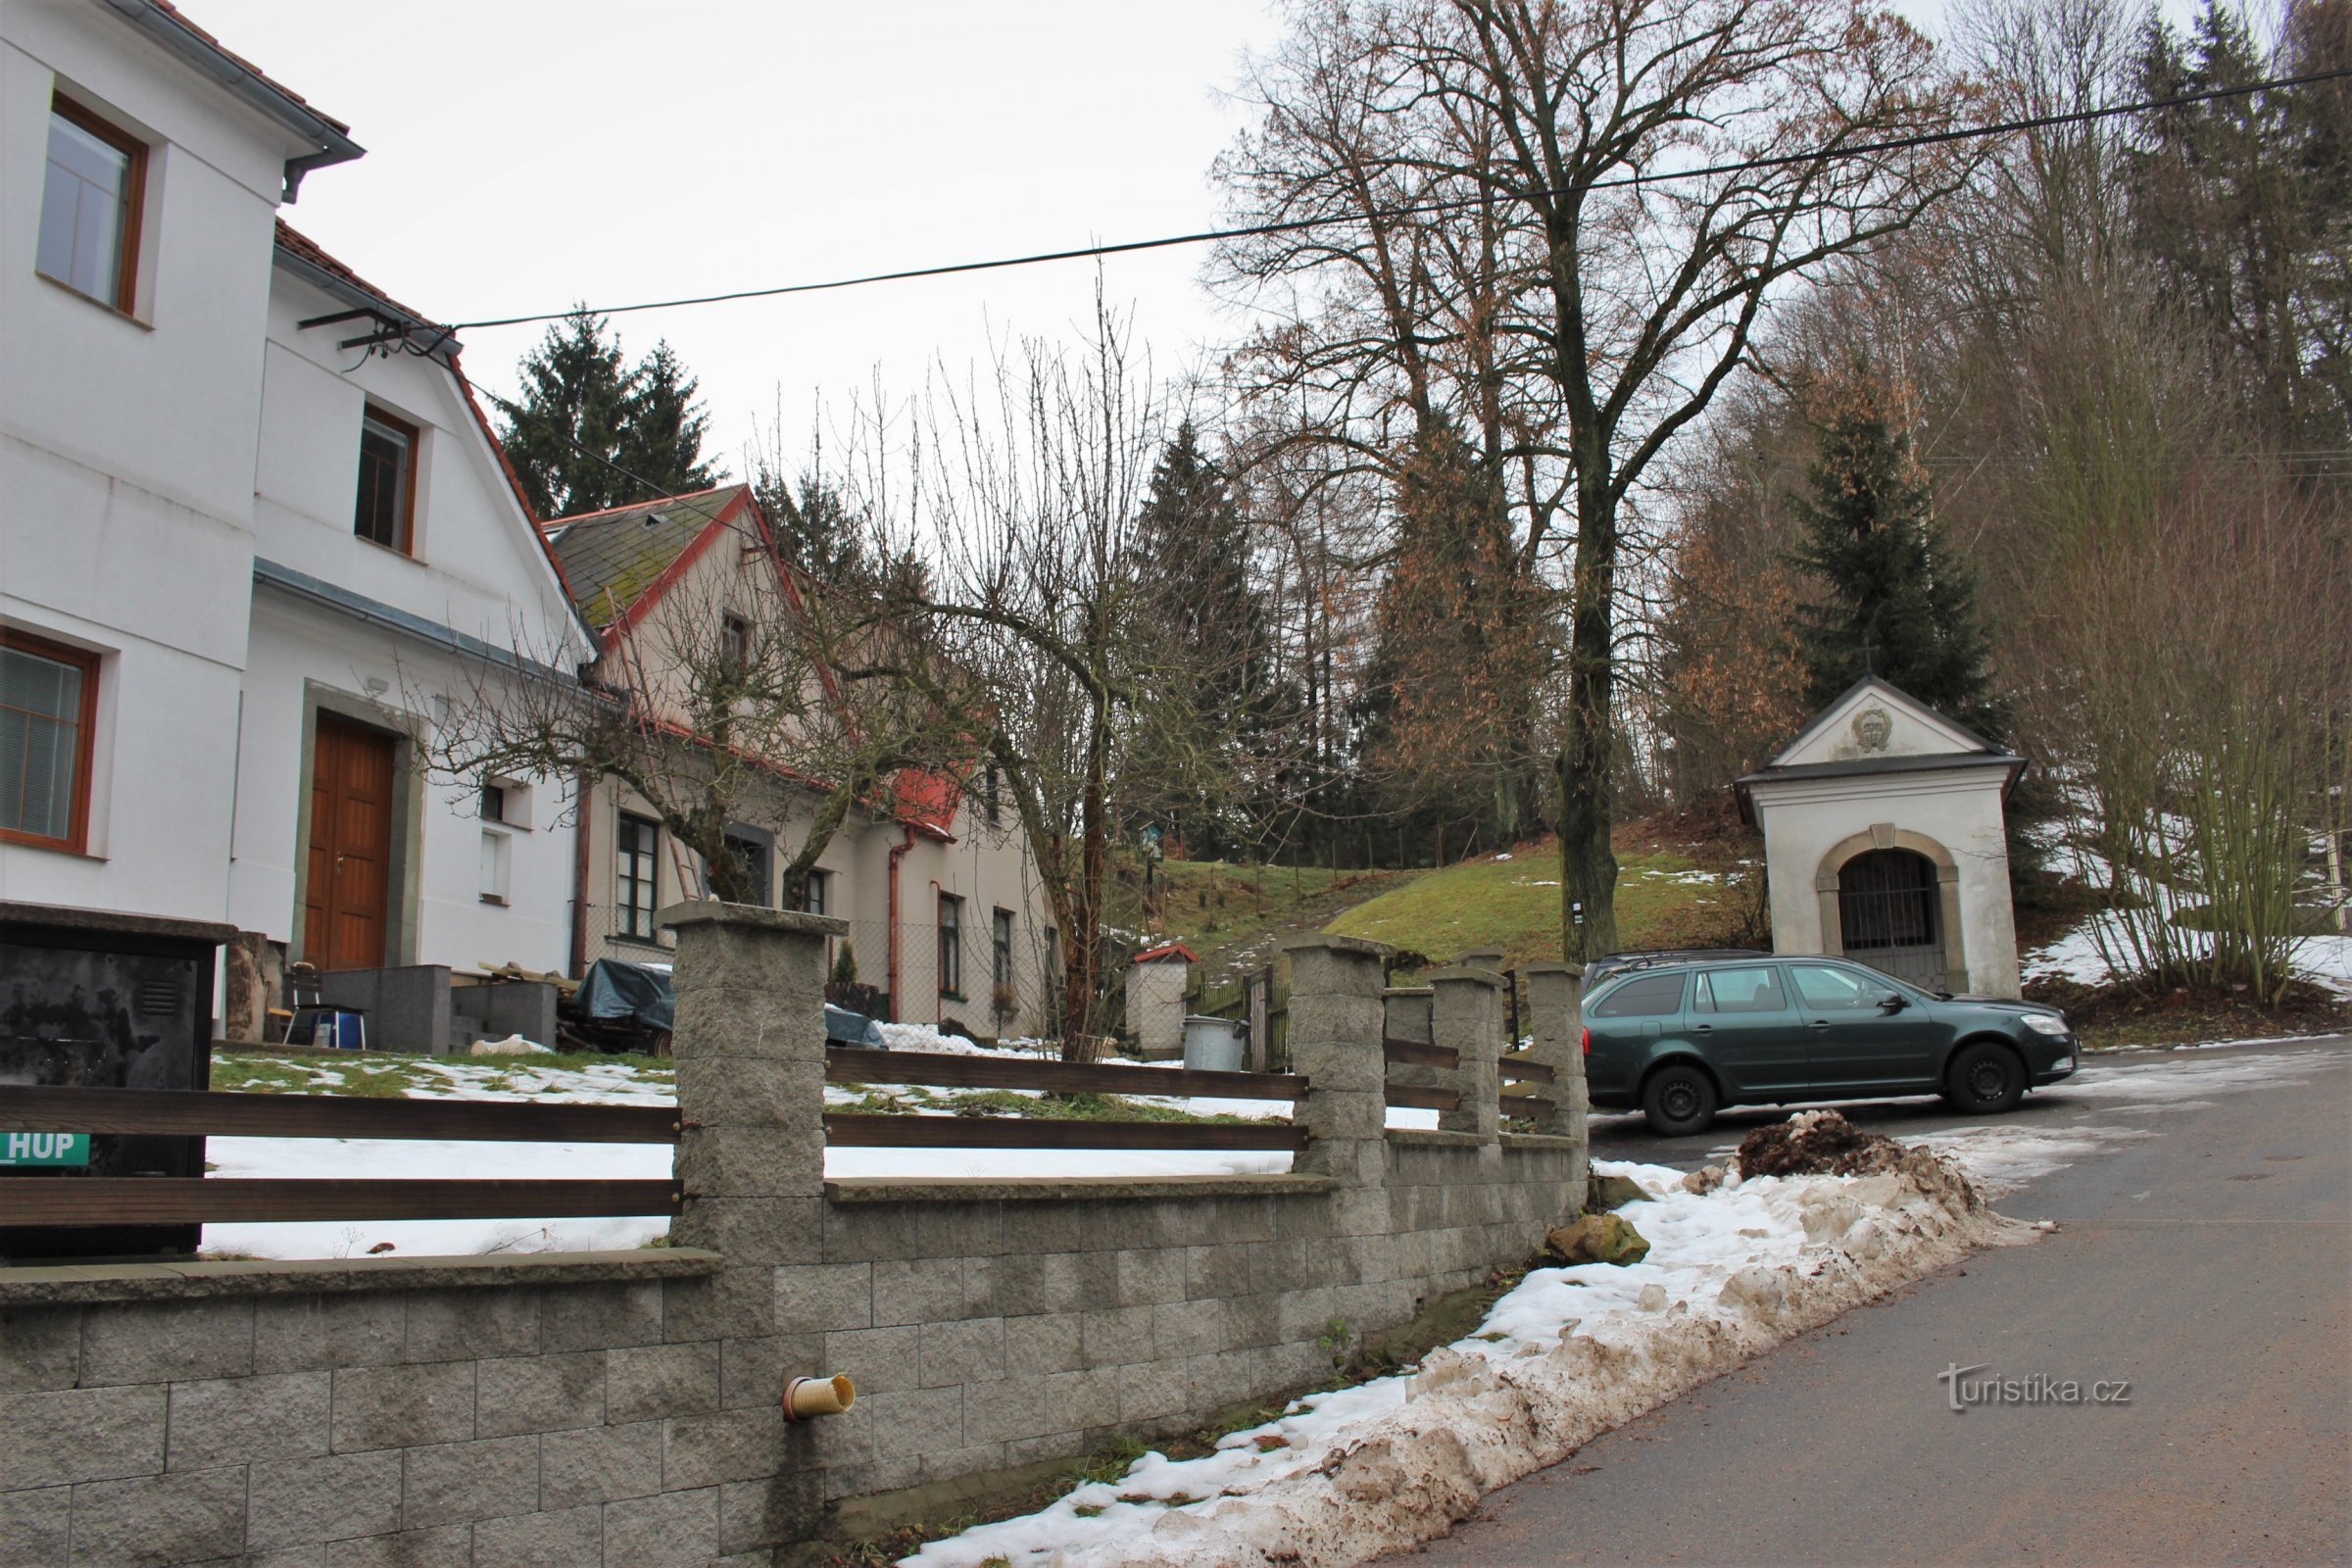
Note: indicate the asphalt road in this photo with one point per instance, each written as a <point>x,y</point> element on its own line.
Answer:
<point>2210,1264</point>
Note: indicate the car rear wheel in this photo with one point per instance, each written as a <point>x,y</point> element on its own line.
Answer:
<point>1678,1101</point>
<point>1985,1079</point>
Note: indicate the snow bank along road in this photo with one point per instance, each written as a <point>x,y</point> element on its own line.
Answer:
<point>1573,1352</point>
<point>2203,1253</point>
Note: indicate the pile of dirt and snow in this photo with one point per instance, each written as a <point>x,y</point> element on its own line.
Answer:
<point>1816,1142</point>
<point>1570,1353</point>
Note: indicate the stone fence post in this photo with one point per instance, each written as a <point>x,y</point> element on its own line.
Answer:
<point>1555,1018</point>
<point>1336,1021</point>
<point>750,1048</point>
<point>1465,1014</point>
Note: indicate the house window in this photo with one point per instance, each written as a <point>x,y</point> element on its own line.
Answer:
<point>494,802</point>
<point>1002,934</point>
<point>498,865</point>
<point>819,886</point>
<point>634,893</point>
<point>734,646</point>
<point>951,945</point>
<point>48,707</point>
<point>992,795</point>
<point>90,206</point>
<point>387,502</point>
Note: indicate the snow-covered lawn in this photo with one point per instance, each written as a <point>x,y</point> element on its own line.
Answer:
<point>2324,959</point>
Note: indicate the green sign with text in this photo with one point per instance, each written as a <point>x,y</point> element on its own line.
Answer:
<point>44,1149</point>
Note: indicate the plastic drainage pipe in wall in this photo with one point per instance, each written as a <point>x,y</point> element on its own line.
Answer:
<point>806,1398</point>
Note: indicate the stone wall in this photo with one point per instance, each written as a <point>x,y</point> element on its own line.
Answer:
<point>555,1408</point>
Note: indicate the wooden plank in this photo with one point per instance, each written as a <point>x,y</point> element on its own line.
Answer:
<point>853,1131</point>
<point>1531,1107</point>
<point>863,1064</point>
<point>1527,1069</point>
<point>185,1200</point>
<point>41,1110</point>
<point>1425,1099</point>
<point>1413,1053</point>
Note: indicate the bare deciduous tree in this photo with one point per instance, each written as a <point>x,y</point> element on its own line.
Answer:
<point>739,691</point>
<point>1634,179</point>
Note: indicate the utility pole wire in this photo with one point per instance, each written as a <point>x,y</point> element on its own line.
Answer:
<point>1302,224</point>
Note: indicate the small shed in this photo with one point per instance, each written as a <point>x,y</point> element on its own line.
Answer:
<point>1885,841</point>
<point>1157,981</point>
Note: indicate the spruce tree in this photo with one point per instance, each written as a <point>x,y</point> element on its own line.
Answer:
<point>592,431</point>
<point>1894,602</point>
<point>1201,608</point>
<point>663,426</point>
<point>816,528</point>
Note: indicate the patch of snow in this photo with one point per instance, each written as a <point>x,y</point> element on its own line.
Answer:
<point>1342,1476</point>
<point>2326,961</point>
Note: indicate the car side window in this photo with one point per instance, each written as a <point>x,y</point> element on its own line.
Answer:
<point>1648,995</point>
<point>1746,990</point>
<point>1832,990</point>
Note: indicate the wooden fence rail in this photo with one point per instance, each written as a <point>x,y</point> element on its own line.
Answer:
<point>194,1199</point>
<point>863,1064</point>
<point>860,1131</point>
<point>44,1109</point>
<point>1416,1054</point>
<point>66,1197</point>
<point>1522,1068</point>
<point>1425,1099</point>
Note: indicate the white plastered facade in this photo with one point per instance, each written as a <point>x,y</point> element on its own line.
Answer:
<point>1879,770</point>
<point>177,487</point>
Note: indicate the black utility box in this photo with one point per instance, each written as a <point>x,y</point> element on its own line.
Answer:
<point>95,999</point>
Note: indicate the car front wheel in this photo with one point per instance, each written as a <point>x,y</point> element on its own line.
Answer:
<point>1678,1100</point>
<point>1985,1079</point>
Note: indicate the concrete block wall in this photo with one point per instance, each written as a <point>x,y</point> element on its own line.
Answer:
<point>623,1408</point>
<point>313,1416</point>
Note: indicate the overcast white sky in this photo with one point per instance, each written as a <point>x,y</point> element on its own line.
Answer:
<point>523,154</point>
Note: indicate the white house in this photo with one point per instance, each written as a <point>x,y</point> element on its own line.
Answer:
<point>252,523</point>
<point>1885,841</point>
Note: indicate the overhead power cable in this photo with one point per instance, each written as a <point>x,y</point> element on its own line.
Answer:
<point>1302,224</point>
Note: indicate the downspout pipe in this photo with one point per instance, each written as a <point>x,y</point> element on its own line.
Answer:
<point>579,876</point>
<point>891,970</point>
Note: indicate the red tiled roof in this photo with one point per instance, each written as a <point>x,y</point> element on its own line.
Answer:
<point>180,19</point>
<point>1165,951</point>
<point>296,243</point>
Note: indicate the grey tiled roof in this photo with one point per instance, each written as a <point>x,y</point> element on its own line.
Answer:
<point>610,558</point>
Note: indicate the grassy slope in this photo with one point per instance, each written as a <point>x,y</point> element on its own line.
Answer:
<point>1232,915</point>
<point>1664,899</point>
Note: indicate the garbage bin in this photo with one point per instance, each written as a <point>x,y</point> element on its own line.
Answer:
<point>95,999</point>
<point>1213,1045</point>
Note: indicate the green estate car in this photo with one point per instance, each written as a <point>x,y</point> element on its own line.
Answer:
<point>1681,1041</point>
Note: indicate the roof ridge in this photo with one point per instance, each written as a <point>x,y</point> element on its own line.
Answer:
<point>571,518</point>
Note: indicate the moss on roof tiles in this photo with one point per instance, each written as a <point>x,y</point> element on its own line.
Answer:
<point>610,558</point>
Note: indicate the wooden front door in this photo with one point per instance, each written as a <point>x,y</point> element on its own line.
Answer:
<point>346,899</point>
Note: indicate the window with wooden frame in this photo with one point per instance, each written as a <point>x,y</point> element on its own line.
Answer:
<point>386,513</point>
<point>48,714</point>
<point>634,878</point>
<point>734,646</point>
<point>91,195</point>
<point>951,945</point>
